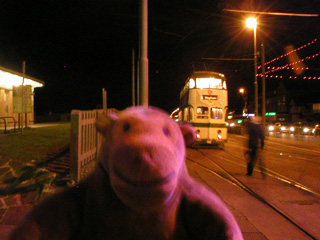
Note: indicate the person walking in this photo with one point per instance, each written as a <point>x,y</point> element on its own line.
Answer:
<point>256,138</point>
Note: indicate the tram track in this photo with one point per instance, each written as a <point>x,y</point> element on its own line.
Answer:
<point>279,176</point>
<point>279,148</point>
<point>284,179</point>
<point>226,175</point>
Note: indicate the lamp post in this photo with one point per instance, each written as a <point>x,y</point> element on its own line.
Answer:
<point>252,23</point>
<point>243,96</point>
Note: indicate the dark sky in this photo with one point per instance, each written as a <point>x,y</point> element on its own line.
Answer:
<point>79,47</point>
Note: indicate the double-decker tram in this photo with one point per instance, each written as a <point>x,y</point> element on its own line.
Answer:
<point>204,103</point>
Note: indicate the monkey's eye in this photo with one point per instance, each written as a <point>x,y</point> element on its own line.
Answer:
<point>126,127</point>
<point>166,131</point>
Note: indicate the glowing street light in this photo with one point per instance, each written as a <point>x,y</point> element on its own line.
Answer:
<point>244,99</point>
<point>252,23</point>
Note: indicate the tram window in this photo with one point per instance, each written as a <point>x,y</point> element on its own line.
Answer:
<point>190,114</point>
<point>202,112</point>
<point>224,85</point>
<point>216,113</point>
<point>180,116</point>
<point>186,114</point>
<point>209,83</point>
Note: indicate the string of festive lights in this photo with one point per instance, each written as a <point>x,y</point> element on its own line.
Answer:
<point>288,66</point>
<point>291,77</point>
<point>288,53</point>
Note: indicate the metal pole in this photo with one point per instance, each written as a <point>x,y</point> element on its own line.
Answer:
<point>144,62</point>
<point>22,92</point>
<point>104,99</point>
<point>263,85</point>
<point>255,72</point>
<point>133,79</point>
<point>138,84</point>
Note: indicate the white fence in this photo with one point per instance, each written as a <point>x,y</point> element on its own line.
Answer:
<point>85,142</point>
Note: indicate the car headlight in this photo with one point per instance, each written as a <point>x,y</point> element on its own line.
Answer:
<point>305,130</point>
<point>271,128</point>
<point>283,128</point>
<point>292,129</point>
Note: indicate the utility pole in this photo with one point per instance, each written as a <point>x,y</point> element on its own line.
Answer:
<point>104,99</point>
<point>22,93</point>
<point>263,85</point>
<point>251,22</point>
<point>133,79</point>
<point>255,73</point>
<point>144,62</point>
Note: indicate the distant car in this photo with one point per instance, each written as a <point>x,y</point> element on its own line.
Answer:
<point>274,127</point>
<point>235,125</point>
<point>304,128</point>
<point>282,128</point>
<point>316,130</point>
<point>287,128</point>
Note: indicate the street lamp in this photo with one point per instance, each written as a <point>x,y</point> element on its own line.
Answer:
<point>252,23</point>
<point>242,92</point>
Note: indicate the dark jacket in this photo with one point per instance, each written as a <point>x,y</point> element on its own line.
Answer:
<point>256,132</point>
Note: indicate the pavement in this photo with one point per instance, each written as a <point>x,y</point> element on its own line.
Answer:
<point>253,223</point>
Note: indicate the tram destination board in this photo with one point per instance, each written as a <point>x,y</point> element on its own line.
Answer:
<point>210,97</point>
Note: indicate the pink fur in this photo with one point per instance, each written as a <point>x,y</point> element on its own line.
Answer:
<point>140,189</point>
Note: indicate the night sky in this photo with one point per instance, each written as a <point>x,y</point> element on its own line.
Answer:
<point>79,47</point>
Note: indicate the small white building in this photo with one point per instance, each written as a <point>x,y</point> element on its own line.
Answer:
<point>11,103</point>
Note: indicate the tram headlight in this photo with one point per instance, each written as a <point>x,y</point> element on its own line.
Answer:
<point>219,134</point>
<point>198,133</point>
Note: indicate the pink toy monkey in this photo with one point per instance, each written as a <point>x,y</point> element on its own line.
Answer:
<point>140,189</point>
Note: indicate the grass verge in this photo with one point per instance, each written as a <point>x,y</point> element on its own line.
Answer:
<point>27,155</point>
<point>35,143</point>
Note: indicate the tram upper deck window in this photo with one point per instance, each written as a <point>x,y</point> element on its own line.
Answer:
<point>202,112</point>
<point>210,83</point>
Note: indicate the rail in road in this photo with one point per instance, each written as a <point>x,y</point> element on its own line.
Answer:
<point>294,200</point>
<point>295,159</point>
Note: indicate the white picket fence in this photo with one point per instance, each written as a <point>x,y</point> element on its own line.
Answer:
<point>85,142</point>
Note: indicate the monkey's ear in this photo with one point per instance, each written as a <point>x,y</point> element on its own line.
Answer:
<point>188,133</point>
<point>105,122</point>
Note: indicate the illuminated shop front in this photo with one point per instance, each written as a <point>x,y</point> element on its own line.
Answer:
<point>11,95</point>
